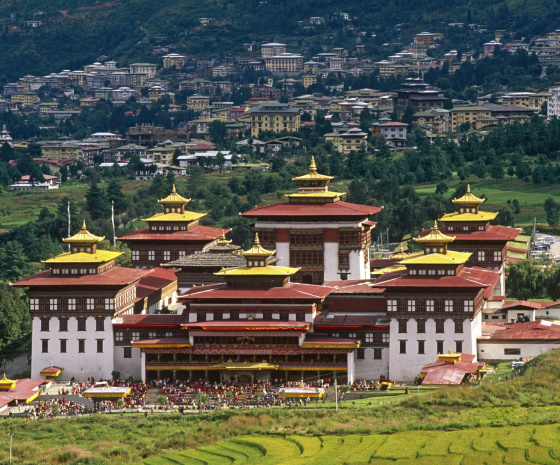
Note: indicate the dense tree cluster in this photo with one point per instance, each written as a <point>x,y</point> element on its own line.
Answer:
<point>528,279</point>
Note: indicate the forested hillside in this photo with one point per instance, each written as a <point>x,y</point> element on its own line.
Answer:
<point>75,32</point>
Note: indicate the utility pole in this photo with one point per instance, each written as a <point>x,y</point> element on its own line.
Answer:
<point>335,402</point>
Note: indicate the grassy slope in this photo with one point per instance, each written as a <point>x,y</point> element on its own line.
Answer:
<point>532,399</point>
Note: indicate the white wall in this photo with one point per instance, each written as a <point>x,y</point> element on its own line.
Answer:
<point>128,366</point>
<point>494,351</point>
<point>283,252</point>
<point>369,368</point>
<point>405,367</point>
<point>331,262</point>
<point>75,364</point>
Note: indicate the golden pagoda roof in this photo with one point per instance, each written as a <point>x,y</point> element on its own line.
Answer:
<point>6,383</point>
<point>400,255</point>
<point>83,237</point>
<point>174,198</point>
<point>469,217</point>
<point>257,250</point>
<point>100,256</point>
<point>449,258</point>
<point>258,271</point>
<point>222,240</point>
<point>389,269</point>
<point>468,198</point>
<point>449,355</point>
<point>435,236</point>
<point>313,175</point>
<point>186,216</point>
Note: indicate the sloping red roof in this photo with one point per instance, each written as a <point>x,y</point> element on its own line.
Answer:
<point>146,321</point>
<point>318,210</point>
<point>24,390</point>
<point>530,331</point>
<point>527,304</point>
<point>196,234</point>
<point>379,263</point>
<point>50,370</point>
<point>156,280</point>
<point>115,276</point>
<point>351,303</point>
<point>473,277</point>
<point>439,373</point>
<point>330,321</point>
<point>248,325</point>
<point>492,234</point>
<point>354,286</point>
<point>292,291</point>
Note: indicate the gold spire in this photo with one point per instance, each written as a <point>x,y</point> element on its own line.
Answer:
<point>222,240</point>
<point>469,199</point>
<point>257,251</point>
<point>435,237</point>
<point>84,237</point>
<point>400,255</point>
<point>174,199</point>
<point>313,166</point>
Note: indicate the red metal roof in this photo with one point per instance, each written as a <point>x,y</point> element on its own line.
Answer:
<point>379,263</point>
<point>115,276</point>
<point>524,304</point>
<point>492,234</point>
<point>329,321</point>
<point>530,331</point>
<point>248,325</point>
<point>24,390</point>
<point>156,280</point>
<point>318,210</point>
<point>196,234</point>
<point>292,291</point>
<point>145,321</point>
<point>439,373</point>
<point>351,303</point>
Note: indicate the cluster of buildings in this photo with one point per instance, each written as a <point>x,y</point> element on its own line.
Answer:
<point>306,301</point>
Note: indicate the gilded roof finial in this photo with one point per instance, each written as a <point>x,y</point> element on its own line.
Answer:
<point>256,241</point>
<point>84,225</point>
<point>313,166</point>
<point>174,190</point>
<point>435,225</point>
<point>468,188</point>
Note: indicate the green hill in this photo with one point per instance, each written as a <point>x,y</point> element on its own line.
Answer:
<point>75,32</point>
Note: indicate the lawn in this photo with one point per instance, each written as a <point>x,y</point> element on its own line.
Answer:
<point>531,196</point>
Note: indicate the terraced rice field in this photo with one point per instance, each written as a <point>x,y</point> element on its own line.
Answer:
<point>514,445</point>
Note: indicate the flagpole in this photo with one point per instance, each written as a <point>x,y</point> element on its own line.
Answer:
<point>69,224</point>
<point>113,222</point>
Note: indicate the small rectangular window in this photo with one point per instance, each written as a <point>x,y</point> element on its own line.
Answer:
<point>360,354</point>
<point>420,326</point>
<point>63,346</point>
<point>385,338</point>
<point>403,326</point>
<point>127,352</point>
<point>300,316</point>
<point>81,346</point>
<point>369,338</point>
<point>135,335</point>
<point>45,324</point>
<point>377,354</point>
<point>402,347</point>
<point>100,324</point>
<point>439,347</point>
<point>119,336</point>
<point>218,316</point>
<point>200,316</point>
<point>99,346</point>
<point>63,324</point>
<point>392,305</point>
<point>512,351</point>
<point>459,346</point>
<point>458,326</point>
<point>45,346</point>
<point>429,305</point>
<point>421,345</point>
<point>234,315</point>
<point>440,325</point>
<point>82,324</point>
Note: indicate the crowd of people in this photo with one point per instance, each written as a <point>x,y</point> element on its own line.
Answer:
<point>181,395</point>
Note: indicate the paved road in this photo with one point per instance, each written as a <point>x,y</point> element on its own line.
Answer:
<point>18,366</point>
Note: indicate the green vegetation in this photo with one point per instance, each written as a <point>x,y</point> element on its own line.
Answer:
<point>516,421</point>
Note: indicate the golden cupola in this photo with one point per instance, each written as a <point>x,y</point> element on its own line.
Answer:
<point>313,187</point>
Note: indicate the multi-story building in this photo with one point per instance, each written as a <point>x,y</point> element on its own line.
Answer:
<point>553,103</point>
<point>59,151</point>
<point>419,95</point>
<point>26,99</point>
<point>285,62</point>
<point>275,117</point>
<point>437,119</point>
<point>149,69</point>
<point>254,326</point>
<point>490,47</point>
<point>486,243</point>
<point>72,305</point>
<point>272,49</point>
<point>531,100</point>
<point>170,235</point>
<point>198,102</point>
<point>394,133</point>
<point>326,238</point>
<point>345,142</point>
<point>174,59</point>
<point>434,304</point>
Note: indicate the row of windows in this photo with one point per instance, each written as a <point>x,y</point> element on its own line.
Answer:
<point>431,272</point>
<point>63,324</point>
<point>377,354</point>
<point>421,326</point>
<point>202,315</point>
<point>71,304</point>
<point>122,336</point>
<point>422,346</point>
<point>430,305</point>
<point>164,255</point>
<point>307,258</point>
<point>64,346</point>
<point>169,228</point>
<point>466,228</point>
<point>75,271</point>
<point>368,338</point>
